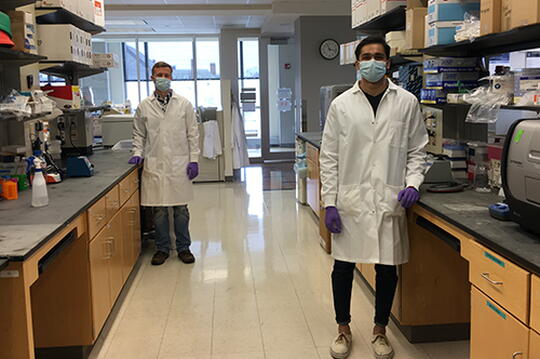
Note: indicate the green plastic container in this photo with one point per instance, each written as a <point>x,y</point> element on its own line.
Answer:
<point>22,182</point>
<point>5,24</point>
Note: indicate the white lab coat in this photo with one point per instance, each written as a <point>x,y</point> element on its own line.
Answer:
<point>167,141</point>
<point>212,140</point>
<point>365,162</point>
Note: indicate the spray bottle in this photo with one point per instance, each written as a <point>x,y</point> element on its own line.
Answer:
<point>40,197</point>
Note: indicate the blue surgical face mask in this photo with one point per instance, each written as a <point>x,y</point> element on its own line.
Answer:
<point>372,70</point>
<point>162,84</point>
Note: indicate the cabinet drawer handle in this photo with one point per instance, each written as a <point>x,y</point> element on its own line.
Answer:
<point>516,354</point>
<point>132,210</point>
<point>136,181</point>
<point>491,281</point>
<point>109,247</point>
<point>126,190</point>
<point>100,218</point>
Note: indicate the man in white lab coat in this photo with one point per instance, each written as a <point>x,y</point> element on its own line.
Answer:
<point>372,165</point>
<point>166,140</point>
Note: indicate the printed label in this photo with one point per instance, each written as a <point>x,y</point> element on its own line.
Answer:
<point>494,259</point>
<point>519,134</point>
<point>496,310</point>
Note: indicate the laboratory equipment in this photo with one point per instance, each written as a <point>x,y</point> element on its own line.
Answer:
<point>481,180</point>
<point>328,94</point>
<point>79,167</point>
<point>40,197</point>
<point>500,211</point>
<point>9,189</point>
<point>521,173</point>
<point>440,171</point>
<point>116,128</point>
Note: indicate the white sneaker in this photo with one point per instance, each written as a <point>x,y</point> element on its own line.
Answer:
<point>341,346</point>
<point>381,347</point>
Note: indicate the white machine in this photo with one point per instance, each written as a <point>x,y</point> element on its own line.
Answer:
<point>116,128</point>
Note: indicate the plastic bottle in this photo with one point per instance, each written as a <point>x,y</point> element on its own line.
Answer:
<point>40,197</point>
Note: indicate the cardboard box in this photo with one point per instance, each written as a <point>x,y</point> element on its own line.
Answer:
<point>442,32</point>
<point>506,15</point>
<point>24,30</point>
<point>451,10</point>
<point>387,5</point>
<point>99,12</point>
<point>411,4</point>
<point>415,25</point>
<point>65,43</point>
<point>525,12</point>
<point>70,5</point>
<point>490,16</point>
<point>373,9</point>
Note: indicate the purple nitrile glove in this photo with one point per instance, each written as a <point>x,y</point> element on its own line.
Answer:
<point>192,170</point>
<point>408,197</point>
<point>136,160</point>
<point>332,220</point>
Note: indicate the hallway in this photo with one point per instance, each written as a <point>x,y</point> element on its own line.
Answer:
<point>260,289</point>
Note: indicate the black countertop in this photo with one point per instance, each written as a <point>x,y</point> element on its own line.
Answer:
<point>24,229</point>
<point>314,138</point>
<point>468,211</point>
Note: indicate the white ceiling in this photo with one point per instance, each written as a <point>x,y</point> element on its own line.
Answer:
<point>273,17</point>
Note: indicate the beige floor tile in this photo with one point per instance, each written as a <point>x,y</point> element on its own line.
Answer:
<point>294,352</point>
<point>134,348</point>
<point>447,350</point>
<point>185,341</point>
<point>141,327</point>
<point>254,355</point>
<point>237,341</point>
<point>277,337</point>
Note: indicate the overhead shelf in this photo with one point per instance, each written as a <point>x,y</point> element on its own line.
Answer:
<point>405,59</point>
<point>32,117</point>
<point>58,15</point>
<point>521,38</point>
<point>6,5</point>
<point>18,57</point>
<point>393,20</point>
<point>71,71</point>
<point>88,109</point>
<point>504,107</point>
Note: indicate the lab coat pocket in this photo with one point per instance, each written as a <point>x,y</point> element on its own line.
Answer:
<point>151,165</point>
<point>397,157</point>
<point>389,203</point>
<point>350,201</point>
<point>179,165</point>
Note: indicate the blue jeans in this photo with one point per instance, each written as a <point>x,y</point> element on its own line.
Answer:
<point>181,228</point>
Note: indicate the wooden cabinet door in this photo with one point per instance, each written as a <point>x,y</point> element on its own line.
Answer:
<point>115,265</point>
<point>495,333</point>
<point>312,187</point>
<point>135,222</point>
<point>127,242</point>
<point>97,217</point>
<point>535,303</point>
<point>112,200</point>
<point>534,349</point>
<point>99,255</point>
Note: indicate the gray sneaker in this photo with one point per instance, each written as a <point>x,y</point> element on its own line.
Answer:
<point>341,346</point>
<point>381,347</point>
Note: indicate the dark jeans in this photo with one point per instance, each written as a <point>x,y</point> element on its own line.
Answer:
<point>342,280</point>
<point>181,228</point>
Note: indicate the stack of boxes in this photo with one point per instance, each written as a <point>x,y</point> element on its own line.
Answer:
<point>347,53</point>
<point>444,16</point>
<point>91,10</point>
<point>396,41</point>
<point>24,30</point>
<point>65,43</point>
<point>366,10</point>
<point>415,26</point>
<point>444,75</point>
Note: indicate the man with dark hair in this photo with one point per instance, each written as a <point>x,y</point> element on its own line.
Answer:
<point>372,165</point>
<point>166,140</point>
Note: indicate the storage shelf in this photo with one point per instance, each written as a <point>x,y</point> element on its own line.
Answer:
<point>521,38</point>
<point>53,15</point>
<point>403,59</point>
<point>393,20</point>
<point>71,71</point>
<point>504,107</point>
<point>18,57</point>
<point>35,116</point>
<point>88,109</point>
<point>6,5</point>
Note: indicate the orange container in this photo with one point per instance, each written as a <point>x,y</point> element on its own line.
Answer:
<point>9,190</point>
